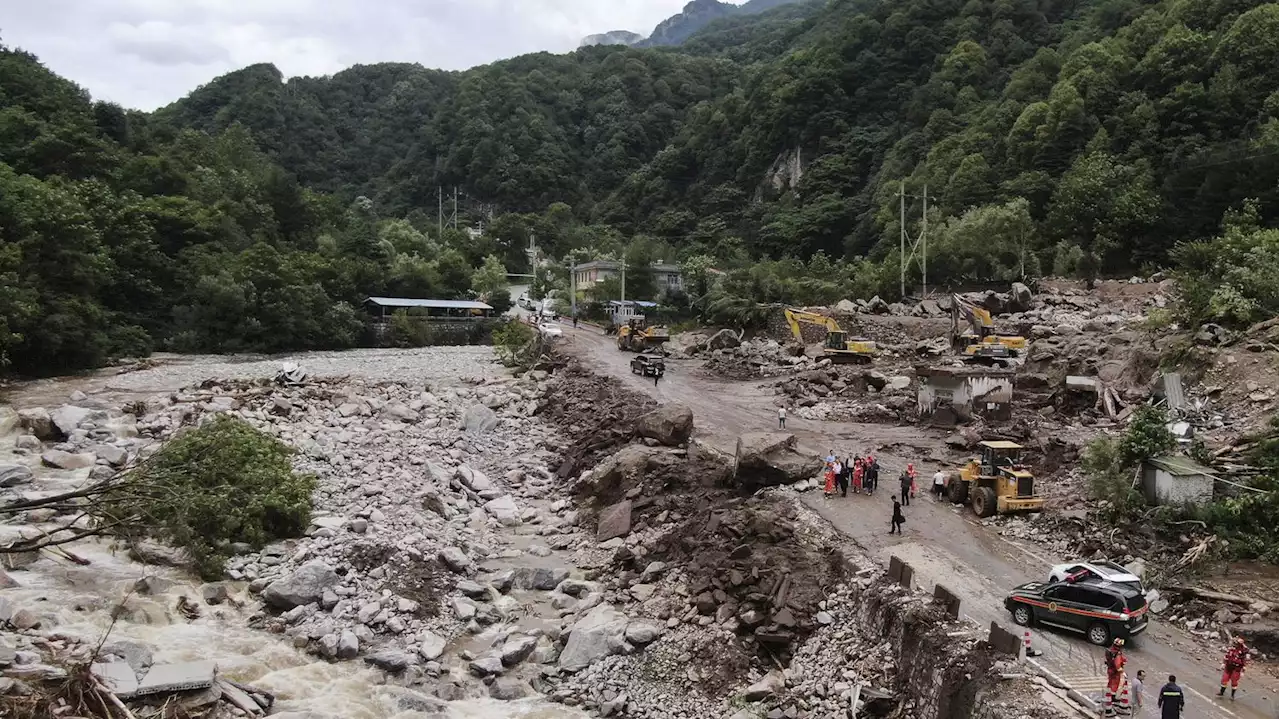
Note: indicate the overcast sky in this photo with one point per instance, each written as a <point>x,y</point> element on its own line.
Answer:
<point>147,53</point>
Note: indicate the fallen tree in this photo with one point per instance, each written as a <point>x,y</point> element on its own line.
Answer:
<point>211,486</point>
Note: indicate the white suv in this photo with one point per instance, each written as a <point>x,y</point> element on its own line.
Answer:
<point>1109,571</point>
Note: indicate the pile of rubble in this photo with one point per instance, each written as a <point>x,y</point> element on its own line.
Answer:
<point>849,393</point>
<point>756,358</point>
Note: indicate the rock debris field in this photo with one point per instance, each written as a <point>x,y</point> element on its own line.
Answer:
<point>479,534</point>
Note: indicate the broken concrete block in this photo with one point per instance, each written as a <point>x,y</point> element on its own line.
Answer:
<point>178,677</point>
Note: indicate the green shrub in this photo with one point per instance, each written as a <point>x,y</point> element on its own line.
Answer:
<point>516,343</point>
<point>212,485</point>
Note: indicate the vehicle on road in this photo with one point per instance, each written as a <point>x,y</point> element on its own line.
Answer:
<point>648,366</point>
<point>550,330</point>
<point>839,347</point>
<point>1105,571</point>
<point>995,482</point>
<point>638,336</point>
<point>1102,611</point>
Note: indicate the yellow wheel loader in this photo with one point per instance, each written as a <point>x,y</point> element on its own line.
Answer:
<point>996,482</point>
<point>839,347</point>
<point>637,336</point>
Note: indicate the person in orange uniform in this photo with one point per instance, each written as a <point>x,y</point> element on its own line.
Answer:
<point>1115,675</point>
<point>1233,666</point>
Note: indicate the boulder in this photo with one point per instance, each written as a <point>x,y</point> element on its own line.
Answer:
<point>615,521</point>
<point>348,645</point>
<point>877,306</point>
<point>543,578</point>
<point>456,561</point>
<point>397,411</point>
<point>670,424</point>
<point>431,646</point>
<point>304,586</point>
<point>388,660</point>
<point>765,459</point>
<point>1019,298</point>
<point>37,421</point>
<point>595,636</point>
<point>846,307</point>
<point>640,633</point>
<point>111,454</point>
<point>68,417</point>
<point>479,419</point>
<point>509,689</point>
<point>66,460</point>
<point>14,474</point>
<point>770,685</point>
<point>517,649</point>
<point>724,340</point>
<point>504,510</point>
<point>473,479</point>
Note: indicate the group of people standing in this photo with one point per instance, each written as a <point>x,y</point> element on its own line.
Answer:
<point>862,473</point>
<point>1171,700</point>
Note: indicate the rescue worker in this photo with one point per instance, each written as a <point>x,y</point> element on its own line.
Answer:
<point>911,471</point>
<point>1115,660</point>
<point>1171,700</point>
<point>1233,666</point>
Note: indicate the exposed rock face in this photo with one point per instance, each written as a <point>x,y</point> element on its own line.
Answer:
<point>305,586</point>
<point>613,37</point>
<point>764,459</point>
<point>670,424</point>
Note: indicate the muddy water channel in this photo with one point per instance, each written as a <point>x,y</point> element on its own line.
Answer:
<point>136,606</point>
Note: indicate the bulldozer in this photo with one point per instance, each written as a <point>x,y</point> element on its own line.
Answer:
<point>839,347</point>
<point>639,336</point>
<point>995,482</point>
<point>979,343</point>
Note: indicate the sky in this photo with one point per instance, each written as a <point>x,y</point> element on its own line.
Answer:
<point>145,54</point>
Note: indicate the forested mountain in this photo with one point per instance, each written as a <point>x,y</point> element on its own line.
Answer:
<point>698,14</point>
<point>1117,127</point>
<point>119,235</point>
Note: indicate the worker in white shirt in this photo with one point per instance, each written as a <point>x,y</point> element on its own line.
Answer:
<point>782,418</point>
<point>939,483</point>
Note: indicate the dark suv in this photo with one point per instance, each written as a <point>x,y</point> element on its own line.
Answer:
<point>1100,610</point>
<point>647,366</point>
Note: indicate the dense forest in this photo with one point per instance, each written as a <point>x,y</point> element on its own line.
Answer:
<point>1074,137</point>
<point>119,235</point>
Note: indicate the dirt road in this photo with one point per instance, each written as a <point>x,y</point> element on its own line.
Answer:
<point>943,543</point>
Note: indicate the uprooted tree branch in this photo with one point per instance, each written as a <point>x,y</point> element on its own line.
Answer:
<point>212,485</point>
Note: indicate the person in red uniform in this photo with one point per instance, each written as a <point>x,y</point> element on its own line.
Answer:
<point>1115,675</point>
<point>1233,666</point>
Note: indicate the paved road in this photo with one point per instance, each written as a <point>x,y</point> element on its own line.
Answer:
<point>942,542</point>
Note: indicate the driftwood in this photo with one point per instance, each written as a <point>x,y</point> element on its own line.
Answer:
<point>1212,596</point>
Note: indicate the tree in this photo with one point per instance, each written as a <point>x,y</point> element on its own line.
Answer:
<point>490,277</point>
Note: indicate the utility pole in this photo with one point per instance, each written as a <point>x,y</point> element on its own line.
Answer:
<point>455,207</point>
<point>623,298</point>
<point>907,247</point>
<point>439,212</point>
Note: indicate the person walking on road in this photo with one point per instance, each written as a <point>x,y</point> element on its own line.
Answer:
<point>1233,666</point>
<point>656,376</point>
<point>1171,700</point>
<point>904,483</point>
<point>871,474</point>
<point>939,484</point>
<point>1136,685</point>
<point>782,418</point>
<point>895,522</point>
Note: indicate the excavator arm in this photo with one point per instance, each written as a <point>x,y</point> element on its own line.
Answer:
<point>795,317</point>
<point>978,319</point>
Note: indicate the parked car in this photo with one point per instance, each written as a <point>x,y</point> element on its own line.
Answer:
<point>1108,571</point>
<point>648,366</point>
<point>1100,610</point>
<point>550,329</point>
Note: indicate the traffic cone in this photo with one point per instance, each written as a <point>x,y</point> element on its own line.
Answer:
<point>1123,708</point>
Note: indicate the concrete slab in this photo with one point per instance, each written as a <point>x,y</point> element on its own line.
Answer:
<point>116,676</point>
<point>184,676</point>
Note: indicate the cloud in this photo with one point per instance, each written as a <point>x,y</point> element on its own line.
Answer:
<point>147,53</point>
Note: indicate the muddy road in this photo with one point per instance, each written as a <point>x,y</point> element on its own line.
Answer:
<point>943,543</point>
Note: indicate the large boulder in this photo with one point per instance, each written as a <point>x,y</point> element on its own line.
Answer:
<point>724,340</point>
<point>765,459</point>
<point>479,419</point>
<point>594,637</point>
<point>504,510</point>
<point>37,421</point>
<point>670,424</point>
<point>846,307</point>
<point>67,460</point>
<point>68,417</point>
<point>1019,298</point>
<point>304,586</point>
<point>615,521</point>
<point>14,474</point>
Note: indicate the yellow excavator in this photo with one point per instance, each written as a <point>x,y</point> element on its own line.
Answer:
<point>997,481</point>
<point>978,343</point>
<point>638,336</point>
<point>839,347</point>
